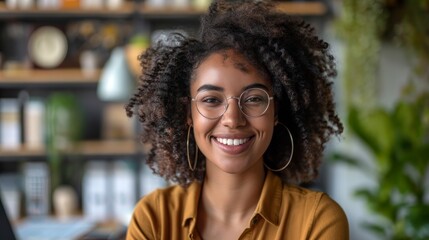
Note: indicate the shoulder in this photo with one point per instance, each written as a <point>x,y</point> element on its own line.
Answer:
<point>318,202</point>
<point>159,211</point>
<point>325,217</point>
<point>174,195</point>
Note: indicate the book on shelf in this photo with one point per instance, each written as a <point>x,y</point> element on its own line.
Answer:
<point>34,123</point>
<point>149,181</point>
<point>95,186</point>
<point>124,190</point>
<point>10,127</point>
<point>109,190</point>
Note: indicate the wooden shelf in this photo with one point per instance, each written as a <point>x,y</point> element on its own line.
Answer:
<point>170,12</point>
<point>57,76</point>
<point>303,8</point>
<point>294,8</point>
<point>107,147</point>
<point>124,11</point>
<point>84,148</point>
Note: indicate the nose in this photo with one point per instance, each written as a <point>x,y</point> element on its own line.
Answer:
<point>233,117</point>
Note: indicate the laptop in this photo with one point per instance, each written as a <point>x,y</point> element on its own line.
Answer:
<point>6,231</point>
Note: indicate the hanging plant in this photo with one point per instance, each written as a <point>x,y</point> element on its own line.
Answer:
<point>397,139</point>
<point>360,26</point>
<point>409,26</point>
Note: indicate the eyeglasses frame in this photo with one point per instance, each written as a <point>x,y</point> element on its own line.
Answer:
<point>238,102</point>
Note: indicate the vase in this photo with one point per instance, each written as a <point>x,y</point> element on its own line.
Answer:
<point>65,202</point>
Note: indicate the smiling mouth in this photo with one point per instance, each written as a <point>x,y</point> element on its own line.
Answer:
<point>232,142</point>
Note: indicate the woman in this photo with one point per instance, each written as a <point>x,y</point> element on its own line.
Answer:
<point>238,119</point>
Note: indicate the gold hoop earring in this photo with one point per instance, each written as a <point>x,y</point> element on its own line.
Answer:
<point>187,151</point>
<point>291,152</point>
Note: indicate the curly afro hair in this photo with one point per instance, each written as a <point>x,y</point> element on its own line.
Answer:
<point>285,49</point>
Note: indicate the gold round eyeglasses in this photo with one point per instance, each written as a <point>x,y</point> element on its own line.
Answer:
<point>212,104</point>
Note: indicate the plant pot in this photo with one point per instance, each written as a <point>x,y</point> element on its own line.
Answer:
<point>65,202</point>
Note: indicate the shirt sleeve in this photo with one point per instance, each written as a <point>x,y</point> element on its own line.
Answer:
<point>143,223</point>
<point>330,221</point>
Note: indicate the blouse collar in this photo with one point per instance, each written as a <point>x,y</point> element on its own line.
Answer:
<point>268,205</point>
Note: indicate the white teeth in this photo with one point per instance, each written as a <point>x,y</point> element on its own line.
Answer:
<point>232,142</point>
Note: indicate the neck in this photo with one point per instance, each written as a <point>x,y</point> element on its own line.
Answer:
<point>232,197</point>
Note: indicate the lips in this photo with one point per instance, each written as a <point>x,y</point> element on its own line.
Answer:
<point>232,141</point>
<point>233,146</point>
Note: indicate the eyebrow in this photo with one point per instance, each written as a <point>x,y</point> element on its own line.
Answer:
<point>221,89</point>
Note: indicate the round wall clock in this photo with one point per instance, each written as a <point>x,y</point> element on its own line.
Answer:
<point>47,47</point>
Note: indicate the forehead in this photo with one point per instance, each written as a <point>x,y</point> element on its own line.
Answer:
<point>227,69</point>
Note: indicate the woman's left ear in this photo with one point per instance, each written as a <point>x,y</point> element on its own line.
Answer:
<point>189,118</point>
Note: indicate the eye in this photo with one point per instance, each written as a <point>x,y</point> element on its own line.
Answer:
<point>254,100</point>
<point>211,101</point>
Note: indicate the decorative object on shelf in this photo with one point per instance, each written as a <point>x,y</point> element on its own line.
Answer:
<point>114,4</point>
<point>115,124</point>
<point>201,4</point>
<point>136,46</point>
<point>22,4</point>
<point>91,4</point>
<point>67,4</point>
<point>88,63</point>
<point>116,81</point>
<point>48,4</point>
<point>97,37</point>
<point>179,3</point>
<point>36,188</point>
<point>156,3</point>
<point>65,202</point>
<point>11,4</point>
<point>14,46</point>
<point>47,47</point>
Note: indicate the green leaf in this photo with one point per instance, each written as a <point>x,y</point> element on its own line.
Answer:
<point>378,229</point>
<point>366,194</point>
<point>376,131</point>
<point>338,157</point>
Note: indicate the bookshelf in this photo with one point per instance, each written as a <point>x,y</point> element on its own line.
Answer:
<point>44,81</point>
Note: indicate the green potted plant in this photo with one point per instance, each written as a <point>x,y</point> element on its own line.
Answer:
<point>64,129</point>
<point>398,141</point>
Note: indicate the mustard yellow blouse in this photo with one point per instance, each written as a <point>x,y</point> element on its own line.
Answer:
<point>283,212</point>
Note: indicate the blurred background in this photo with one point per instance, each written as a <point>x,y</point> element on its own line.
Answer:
<point>72,167</point>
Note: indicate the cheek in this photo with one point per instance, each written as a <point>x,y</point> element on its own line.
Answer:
<point>202,126</point>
